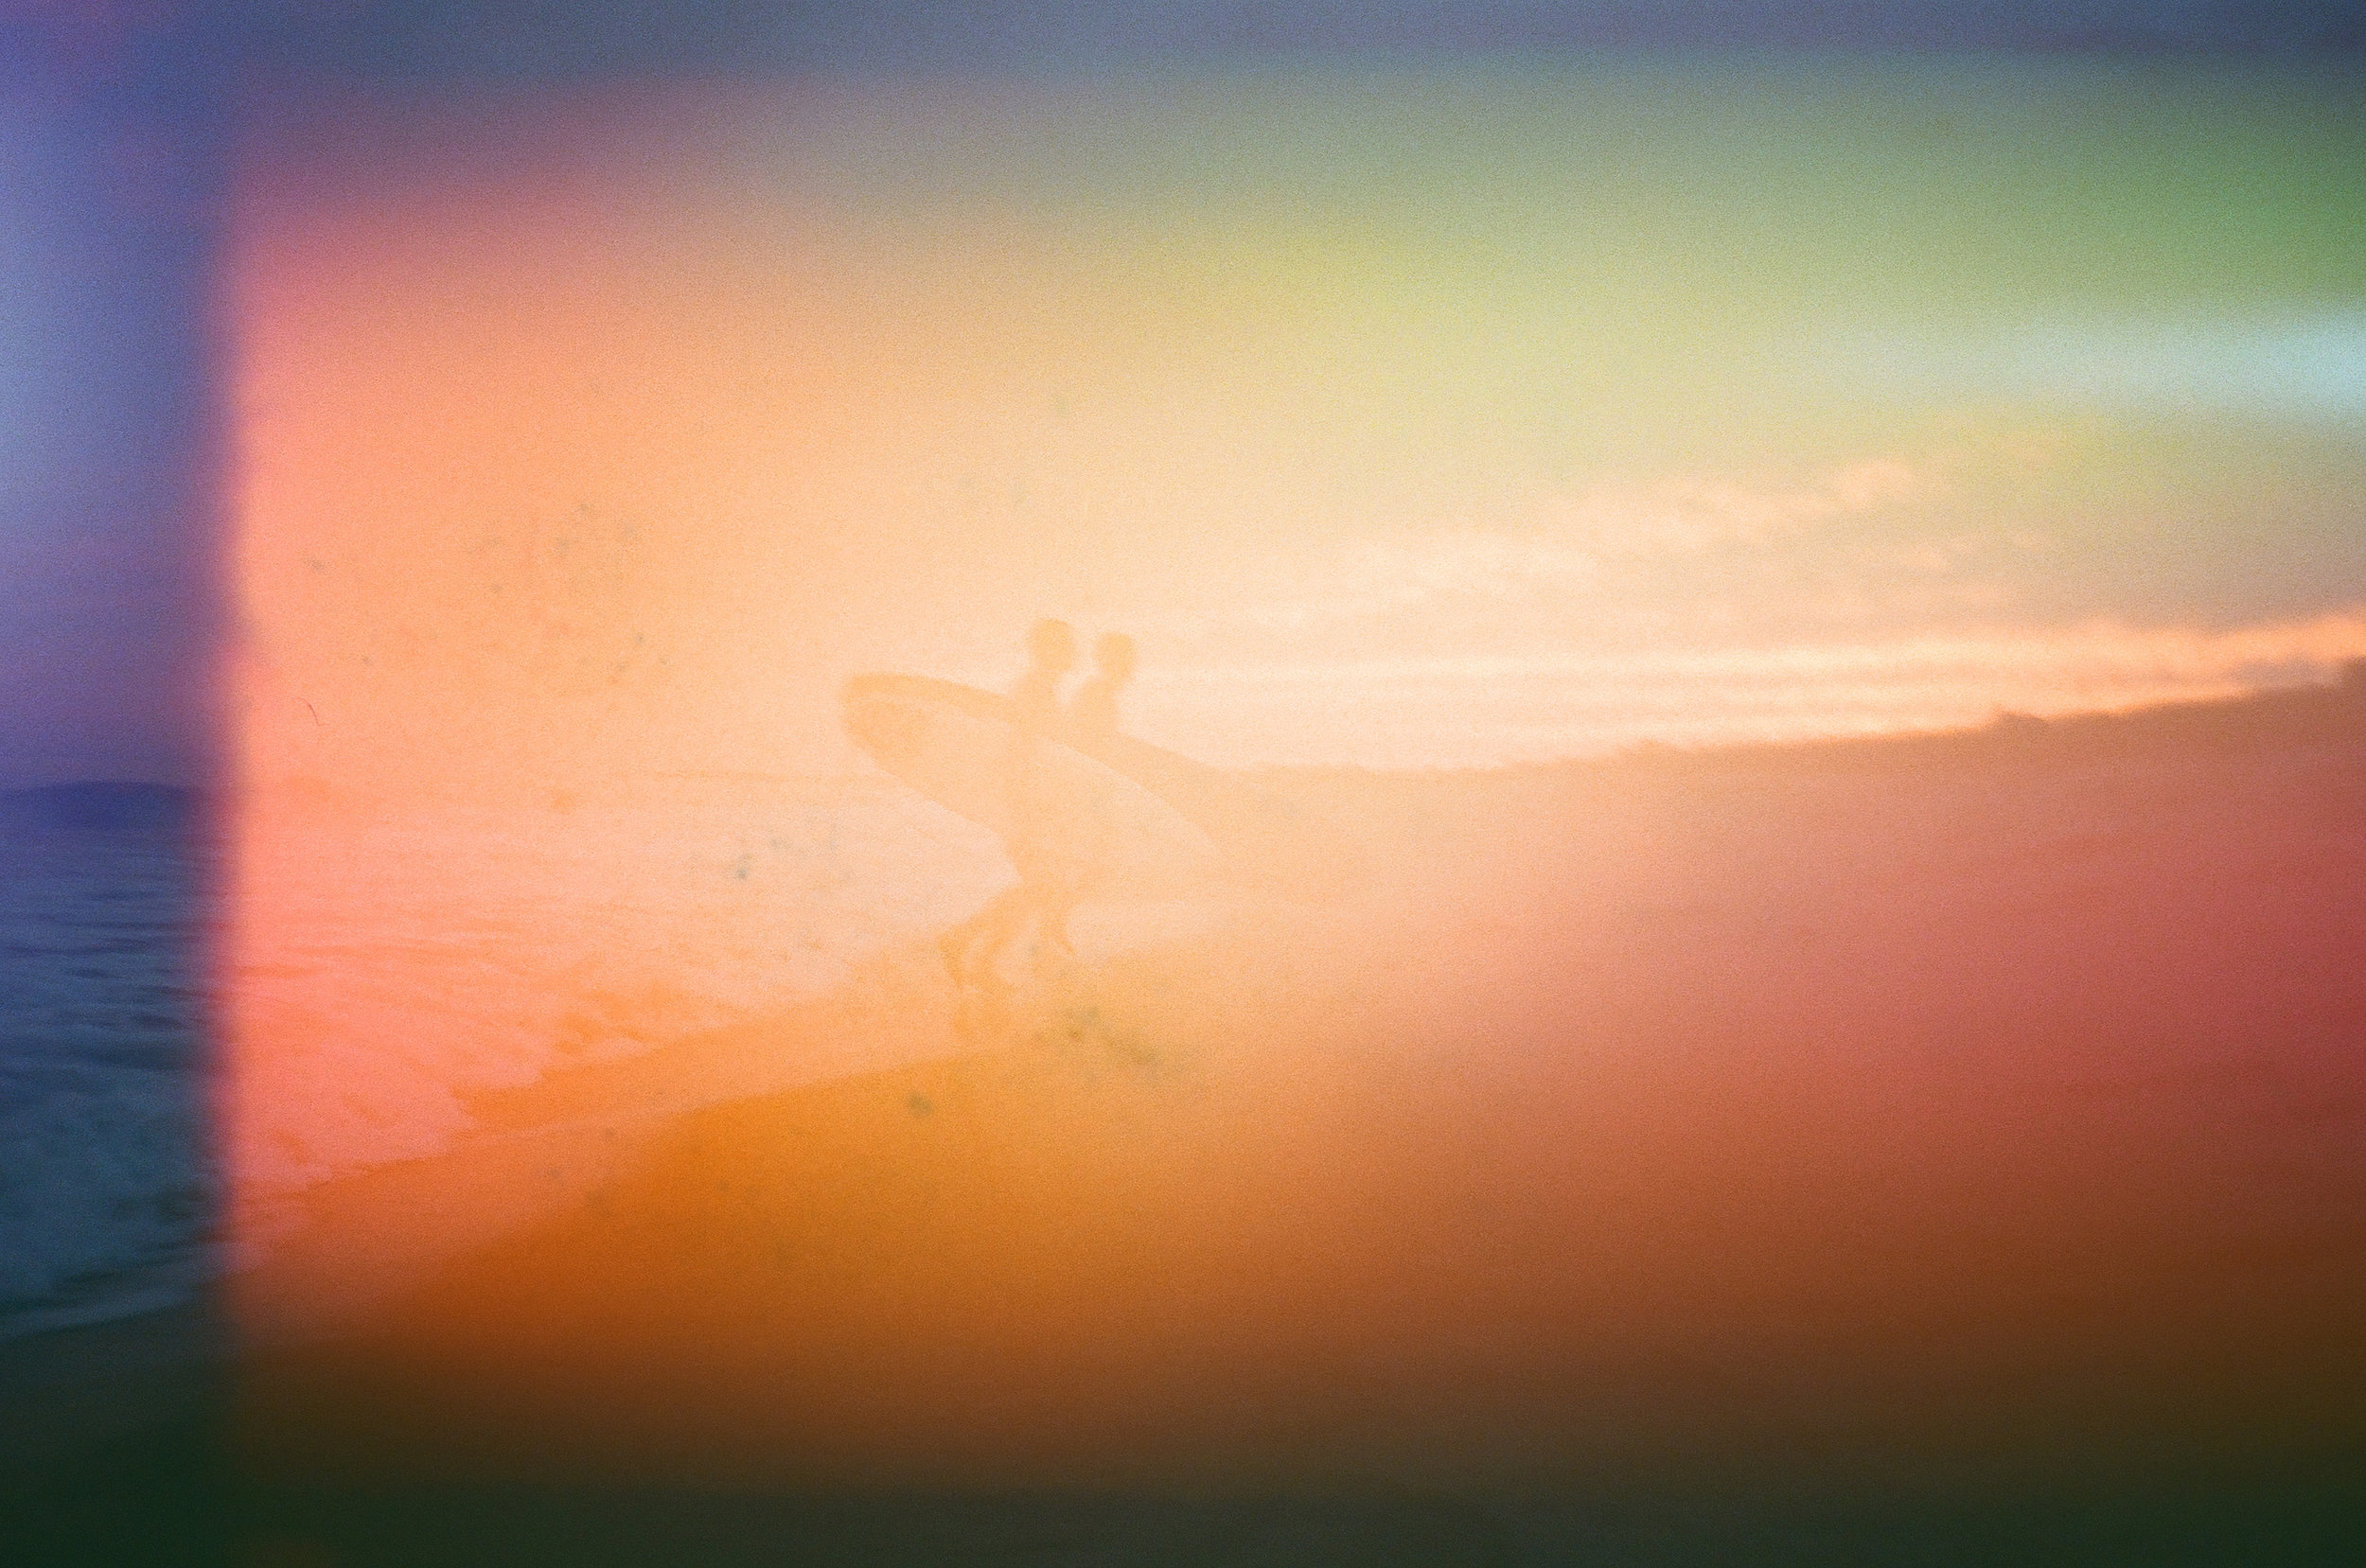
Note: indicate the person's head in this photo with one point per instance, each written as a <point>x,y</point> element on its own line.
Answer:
<point>1052,646</point>
<point>1114,654</point>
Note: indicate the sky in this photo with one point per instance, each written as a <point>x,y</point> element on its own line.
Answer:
<point>1415,362</point>
<point>1409,414</point>
<point>108,589</point>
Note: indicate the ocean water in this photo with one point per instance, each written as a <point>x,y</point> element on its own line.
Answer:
<point>108,1185</point>
<point>317,991</point>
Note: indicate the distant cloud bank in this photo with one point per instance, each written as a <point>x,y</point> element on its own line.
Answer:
<point>1489,711</point>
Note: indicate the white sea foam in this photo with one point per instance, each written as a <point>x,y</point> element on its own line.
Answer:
<point>386,965</point>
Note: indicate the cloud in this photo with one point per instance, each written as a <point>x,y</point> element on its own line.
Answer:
<point>1491,710</point>
<point>1555,552</point>
<point>1691,514</point>
<point>1377,577</point>
<point>2096,652</point>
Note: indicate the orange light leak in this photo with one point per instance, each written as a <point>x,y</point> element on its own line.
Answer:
<point>629,1079</point>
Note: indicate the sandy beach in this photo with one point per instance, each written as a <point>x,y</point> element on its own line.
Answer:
<point>1980,1110</point>
<point>1738,1157</point>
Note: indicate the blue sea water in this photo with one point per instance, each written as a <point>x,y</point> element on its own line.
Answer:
<point>107,1187</point>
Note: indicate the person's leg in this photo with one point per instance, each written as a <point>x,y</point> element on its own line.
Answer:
<point>1052,947</point>
<point>971,947</point>
<point>953,942</point>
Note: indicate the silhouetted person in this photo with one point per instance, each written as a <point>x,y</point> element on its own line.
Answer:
<point>1092,715</point>
<point>972,947</point>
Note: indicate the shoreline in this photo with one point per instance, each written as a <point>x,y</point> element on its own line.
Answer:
<point>542,1148</point>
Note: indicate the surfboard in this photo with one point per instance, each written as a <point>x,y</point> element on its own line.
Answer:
<point>1155,823</point>
<point>957,745</point>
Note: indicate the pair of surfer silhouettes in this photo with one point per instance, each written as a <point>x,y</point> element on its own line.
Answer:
<point>1057,844</point>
